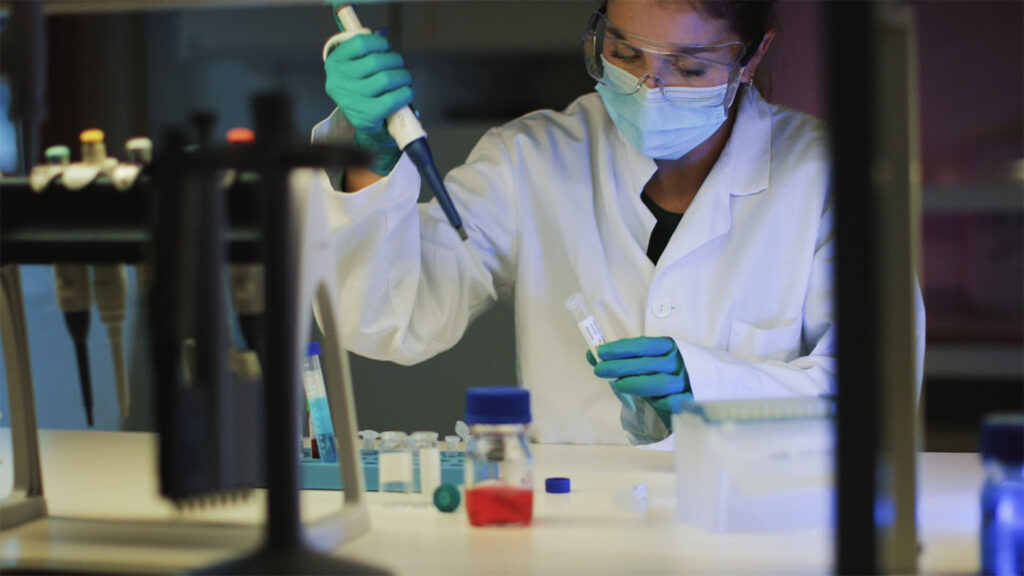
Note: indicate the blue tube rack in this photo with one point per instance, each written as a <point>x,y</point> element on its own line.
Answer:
<point>317,475</point>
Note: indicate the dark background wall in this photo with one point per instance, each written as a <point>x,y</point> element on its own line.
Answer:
<point>479,64</point>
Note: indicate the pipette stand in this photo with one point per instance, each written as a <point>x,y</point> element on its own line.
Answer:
<point>298,245</point>
<point>26,502</point>
<point>294,240</point>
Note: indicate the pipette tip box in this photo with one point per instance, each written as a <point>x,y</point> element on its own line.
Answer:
<point>755,465</point>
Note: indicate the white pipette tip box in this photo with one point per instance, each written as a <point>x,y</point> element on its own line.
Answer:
<point>755,465</point>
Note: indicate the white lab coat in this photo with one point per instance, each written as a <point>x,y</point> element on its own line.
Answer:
<point>551,202</point>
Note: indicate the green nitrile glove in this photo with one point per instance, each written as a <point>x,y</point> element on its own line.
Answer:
<point>648,367</point>
<point>368,81</point>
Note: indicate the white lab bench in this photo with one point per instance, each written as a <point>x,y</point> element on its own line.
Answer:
<point>106,514</point>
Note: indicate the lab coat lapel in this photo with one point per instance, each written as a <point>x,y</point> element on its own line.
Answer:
<point>741,170</point>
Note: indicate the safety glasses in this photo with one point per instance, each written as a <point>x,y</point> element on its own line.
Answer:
<point>610,51</point>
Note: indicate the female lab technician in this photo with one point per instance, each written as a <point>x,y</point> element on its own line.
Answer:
<point>693,216</point>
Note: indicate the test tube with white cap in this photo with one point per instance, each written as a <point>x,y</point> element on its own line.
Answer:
<point>577,306</point>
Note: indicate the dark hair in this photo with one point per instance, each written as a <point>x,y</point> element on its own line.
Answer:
<point>748,19</point>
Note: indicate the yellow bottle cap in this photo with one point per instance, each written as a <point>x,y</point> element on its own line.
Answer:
<point>91,136</point>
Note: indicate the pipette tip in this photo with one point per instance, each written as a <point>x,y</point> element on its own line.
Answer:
<point>462,233</point>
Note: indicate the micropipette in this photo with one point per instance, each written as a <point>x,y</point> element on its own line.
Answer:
<point>74,295</point>
<point>404,127</point>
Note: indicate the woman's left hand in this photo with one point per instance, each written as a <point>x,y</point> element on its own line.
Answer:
<point>649,367</point>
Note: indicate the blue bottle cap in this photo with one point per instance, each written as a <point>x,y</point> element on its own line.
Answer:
<point>497,405</point>
<point>1002,437</point>
<point>556,485</point>
<point>313,349</point>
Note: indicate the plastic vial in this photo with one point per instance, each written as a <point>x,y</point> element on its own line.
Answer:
<point>425,444</point>
<point>577,306</point>
<point>499,467</point>
<point>369,441</point>
<point>451,443</point>
<point>1002,496</point>
<point>319,411</point>
<point>396,466</point>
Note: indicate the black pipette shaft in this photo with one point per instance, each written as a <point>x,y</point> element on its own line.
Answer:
<point>78,326</point>
<point>420,154</point>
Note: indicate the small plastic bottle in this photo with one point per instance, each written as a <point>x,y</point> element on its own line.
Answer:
<point>499,467</point>
<point>1002,497</point>
<point>320,412</point>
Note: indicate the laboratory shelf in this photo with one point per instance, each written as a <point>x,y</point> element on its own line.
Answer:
<point>997,361</point>
<point>1000,198</point>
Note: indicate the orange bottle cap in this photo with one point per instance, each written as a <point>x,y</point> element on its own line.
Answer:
<point>241,136</point>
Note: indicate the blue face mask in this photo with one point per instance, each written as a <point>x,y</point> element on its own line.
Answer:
<point>655,126</point>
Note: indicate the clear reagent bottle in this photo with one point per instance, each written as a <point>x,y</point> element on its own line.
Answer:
<point>1002,496</point>
<point>499,467</point>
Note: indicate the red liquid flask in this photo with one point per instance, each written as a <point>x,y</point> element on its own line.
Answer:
<point>499,506</point>
<point>499,467</point>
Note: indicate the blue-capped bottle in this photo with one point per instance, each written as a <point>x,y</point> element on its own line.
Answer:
<point>1002,497</point>
<point>499,467</point>
<point>319,411</point>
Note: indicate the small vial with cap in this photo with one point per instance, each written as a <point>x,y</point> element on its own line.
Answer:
<point>396,465</point>
<point>369,438</point>
<point>429,456</point>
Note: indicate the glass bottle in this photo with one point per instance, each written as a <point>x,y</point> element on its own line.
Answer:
<point>1002,496</point>
<point>499,467</point>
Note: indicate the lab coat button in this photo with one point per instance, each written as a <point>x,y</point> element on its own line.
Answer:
<point>662,307</point>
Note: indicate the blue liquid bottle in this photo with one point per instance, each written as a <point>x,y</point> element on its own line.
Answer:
<point>1002,497</point>
<point>319,411</point>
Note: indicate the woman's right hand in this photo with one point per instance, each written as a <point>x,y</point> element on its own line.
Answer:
<point>369,82</point>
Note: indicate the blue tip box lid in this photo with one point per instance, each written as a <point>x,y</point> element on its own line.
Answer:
<point>313,349</point>
<point>498,405</point>
<point>556,485</point>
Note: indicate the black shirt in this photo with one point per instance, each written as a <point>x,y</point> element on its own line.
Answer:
<point>663,229</point>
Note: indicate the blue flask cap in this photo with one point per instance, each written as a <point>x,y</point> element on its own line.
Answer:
<point>1002,437</point>
<point>498,405</point>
